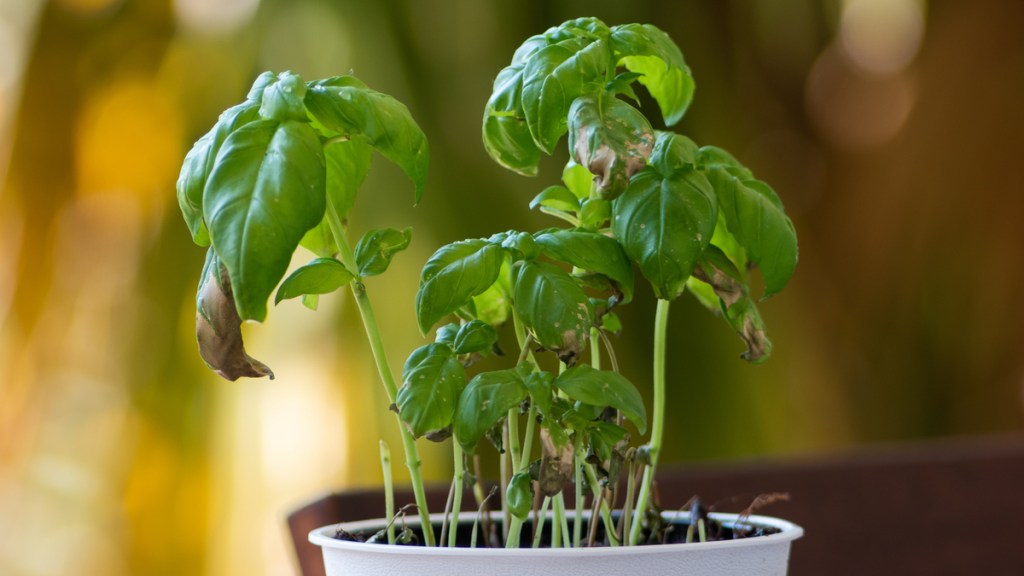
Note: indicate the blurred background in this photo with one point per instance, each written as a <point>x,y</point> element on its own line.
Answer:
<point>890,129</point>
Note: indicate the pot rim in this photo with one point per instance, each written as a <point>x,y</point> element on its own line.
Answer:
<point>788,532</point>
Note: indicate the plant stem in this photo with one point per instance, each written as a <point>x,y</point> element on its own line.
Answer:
<point>602,507</point>
<point>412,457</point>
<point>389,489</point>
<point>657,421</point>
<point>560,527</point>
<point>460,467</point>
<point>577,525</point>
<point>539,519</point>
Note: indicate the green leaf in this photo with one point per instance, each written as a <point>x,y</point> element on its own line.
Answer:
<point>644,49</point>
<point>611,138</point>
<point>282,99</point>
<point>475,336</point>
<point>541,391</point>
<point>195,169</point>
<point>347,166</point>
<point>484,402</point>
<point>754,215</point>
<point>577,179</point>
<point>592,252</point>
<point>446,334</point>
<point>506,134</point>
<point>377,247</point>
<point>673,152</point>
<point>604,388</point>
<point>595,213</point>
<point>664,224</point>
<point>356,112</point>
<point>715,156</point>
<point>321,276</point>
<point>555,76</point>
<point>453,276</point>
<point>519,495</point>
<point>553,307</point>
<point>265,191</point>
<point>557,198</point>
<point>493,305</point>
<point>732,300</point>
<point>265,79</point>
<point>432,381</point>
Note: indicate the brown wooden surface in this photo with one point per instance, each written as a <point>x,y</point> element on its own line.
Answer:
<point>948,507</point>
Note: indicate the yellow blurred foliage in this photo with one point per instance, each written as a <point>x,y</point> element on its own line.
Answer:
<point>128,143</point>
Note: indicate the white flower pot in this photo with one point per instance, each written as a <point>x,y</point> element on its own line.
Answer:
<point>757,556</point>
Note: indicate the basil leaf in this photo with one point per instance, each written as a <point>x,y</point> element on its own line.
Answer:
<point>377,247</point>
<point>347,166</point>
<point>577,179</point>
<point>732,300</point>
<point>484,402</point>
<point>475,336</point>
<point>452,276</point>
<point>557,198</point>
<point>218,327</point>
<point>592,252</point>
<point>556,75</point>
<point>663,224</point>
<point>266,190</point>
<point>519,495</point>
<point>195,169</point>
<point>602,388</point>
<point>320,276</point>
<point>611,138</point>
<point>553,307</point>
<point>755,217</point>
<point>646,50</point>
<point>282,99</point>
<point>432,381</point>
<point>356,112</point>
<point>506,134</point>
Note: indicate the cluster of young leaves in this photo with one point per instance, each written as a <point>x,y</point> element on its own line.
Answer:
<point>559,283</point>
<point>687,216</point>
<point>279,170</point>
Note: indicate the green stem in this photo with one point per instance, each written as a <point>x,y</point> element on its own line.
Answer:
<point>389,489</point>
<point>577,524</point>
<point>412,457</point>
<point>460,467</point>
<point>657,423</point>
<point>539,520</point>
<point>560,529</point>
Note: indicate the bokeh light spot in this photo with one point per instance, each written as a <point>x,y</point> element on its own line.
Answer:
<point>218,17</point>
<point>129,143</point>
<point>881,36</point>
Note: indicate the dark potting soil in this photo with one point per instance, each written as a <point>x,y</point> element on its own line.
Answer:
<point>409,533</point>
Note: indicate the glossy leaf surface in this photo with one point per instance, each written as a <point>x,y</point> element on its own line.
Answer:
<point>604,388</point>
<point>266,190</point>
<point>198,163</point>
<point>664,223</point>
<point>432,381</point>
<point>553,307</point>
<point>592,252</point>
<point>484,402</point>
<point>377,247</point>
<point>452,276</point>
<point>321,276</point>
<point>347,166</point>
<point>358,113</point>
<point>754,215</point>
<point>645,49</point>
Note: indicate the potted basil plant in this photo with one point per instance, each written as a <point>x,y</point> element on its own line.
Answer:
<point>281,170</point>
